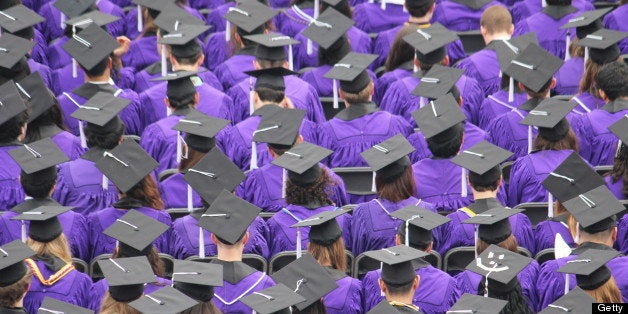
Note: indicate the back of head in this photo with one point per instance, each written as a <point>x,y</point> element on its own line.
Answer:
<point>39,184</point>
<point>12,128</point>
<point>335,52</point>
<point>447,143</point>
<point>558,2</point>
<point>496,19</point>
<point>400,51</point>
<point>12,294</point>
<point>105,137</point>
<point>18,72</point>
<point>419,8</point>
<point>187,54</point>
<point>489,181</point>
<point>612,79</point>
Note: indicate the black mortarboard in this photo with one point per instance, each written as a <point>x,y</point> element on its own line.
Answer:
<point>13,49</point>
<point>590,268</point>
<point>200,130</point>
<point>272,300</point>
<point>91,46</point>
<point>126,276</point>
<point>137,231</point>
<point>571,178</point>
<point>19,17</point>
<point>271,46</point>
<point>418,225</point>
<point>92,17</point>
<point>602,45</point>
<point>494,225</point>
<point>172,18</point>
<point>196,279</point>
<point>157,5</point>
<point>438,81</point>
<point>430,42</point>
<point>499,264</point>
<point>576,301</point>
<point>281,127</point>
<point>549,116</point>
<point>328,28</point>
<point>439,116</point>
<point>229,217</point>
<point>587,22</point>
<point>351,71</point>
<point>389,158</point>
<point>126,165</point>
<point>620,129</point>
<point>12,267</point>
<point>38,155</point>
<point>272,78</point>
<point>509,49</point>
<point>183,40</point>
<point>301,162</point>
<point>324,229</point>
<point>213,174</point>
<point>473,4</point>
<point>101,113</point>
<point>249,15</point>
<point>39,97</point>
<point>533,67</point>
<point>12,103</point>
<point>471,303</point>
<point>72,8</point>
<point>397,268</point>
<point>54,306</point>
<point>595,210</point>
<point>44,224</point>
<point>483,159</point>
<point>179,83</point>
<point>167,300</point>
<point>307,278</point>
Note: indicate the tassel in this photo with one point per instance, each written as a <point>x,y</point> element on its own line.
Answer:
<point>190,199</point>
<point>381,266</point>
<point>299,253</point>
<point>228,31</point>
<point>577,238</point>
<point>139,19</point>
<point>586,55</point>
<point>82,135</point>
<point>529,139</point>
<point>284,178</point>
<point>105,183</point>
<point>567,44</point>
<point>164,66</point>
<point>179,147</point>
<point>415,68</point>
<point>422,102</point>
<point>290,58</point>
<point>566,283</point>
<point>335,88</point>
<point>251,96</point>
<point>201,243</point>
<point>317,7</point>
<point>24,231</point>
<point>463,183</point>
<point>373,186</point>
<point>253,156</point>
<point>74,69</point>
<point>511,90</point>
<point>475,240</point>
<point>550,205</point>
<point>383,5</point>
<point>62,21</point>
<point>486,285</point>
<point>500,73</point>
<point>309,47</point>
<point>543,3</point>
<point>407,232</point>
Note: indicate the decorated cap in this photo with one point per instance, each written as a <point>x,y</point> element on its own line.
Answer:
<point>499,265</point>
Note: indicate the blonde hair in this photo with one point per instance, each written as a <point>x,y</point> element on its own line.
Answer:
<point>111,306</point>
<point>496,19</point>
<point>607,293</point>
<point>333,255</point>
<point>58,247</point>
<point>359,97</point>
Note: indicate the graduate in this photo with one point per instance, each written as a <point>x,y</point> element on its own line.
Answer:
<point>166,300</point>
<point>479,304</point>
<point>372,225</point>
<point>398,64</point>
<point>127,167</point>
<point>16,277</point>
<point>296,16</point>
<point>150,10</point>
<point>523,9</point>
<point>197,281</point>
<point>278,299</point>
<point>398,280</point>
<point>230,237</point>
<point>616,180</point>
<point>485,178</point>
<point>305,185</point>
<point>596,230</point>
<point>96,52</point>
<point>612,21</point>
<point>80,183</point>
<point>437,291</point>
<point>462,15</point>
<point>13,117</point>
<point>270,53</point>
<point>15,65</point>
<point>373,17</point>
<point>127,278</point>
<point>53,272</point>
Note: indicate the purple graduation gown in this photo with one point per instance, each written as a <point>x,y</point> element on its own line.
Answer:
<point>523,9</point>
<point>284,238</point>
<point>616,187</point>
<point>38,53</point>
<point>551,284</point>
<point>456,16</point>
<point>372,227</point>
<point>290,22</point>
<point>130,115</point>
<point>388,78</point>
<point>44,71</point>
<point>568,77</point>
<point>97,222</point>
<point>236,142</point>
<point>613,21</point>
<point>438,182</point>
<point>622,235</point>
<point>185,231</point>
<point>528,172</point>
<point>239,281</point>
<point>455,234</point>
<point>215,17</point>
<point>347,298</point>
<point>262,187</point>
<point>79,184</point>
<point>11,192</point>
<point>324,86</point>
<point>63,81</point>
<point>231,71</point>
<point>69,143</point>
<point>57,56</point>
<point>217,50</point>
<point>370,17</point>
<point>99,288</point>
<point>302,95</point>
<point>72,288</point>
<point>469,282</point>
<point>545,233</point>
<point>143,52</point>
<point>483,66</point>
<point>597,144</point>
<point>203,4</point>
<point>436,294</point>
<point>174,192</point>
<point>472,136</point>
<point>142,79</point>
<point>497,104</point>
<point>356,129</point>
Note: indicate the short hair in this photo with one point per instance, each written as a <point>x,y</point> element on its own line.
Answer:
<point>105,141</point>
<point>267,64</point>
<point>418,10</point>
<point>98,69</point>
<point>12,128</point>
<point>541,93</point>
<point>359,97</point>
<point>11,294</point>
<point>479,182</point>
<point>269,94</point>
<point>496,19</point>
<point>40,183</point>
<point>613,80</point>
<point>399,289</point>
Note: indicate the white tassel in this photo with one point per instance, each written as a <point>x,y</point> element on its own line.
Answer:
<point>309,47</point>
<point>140,23</point>
<point>105,183</point>
<point>179,147</point>
<point>550,205</point>
<point>586,55</point>
<point>566,283</point>
<point>463,183</point>
<point>290,58</point>
<point>335,88</point>
<point>373,186</point>
<point>422,102</point>
<point>529,139</point>
<point>383,5</point>
<point>284,178</point>
<point>475,239</point>
<point>251,96</point>
<point>317,7</point>
<point>24,231</point>
<point>299,253</point>
<point>407,232</point>
<point>543,3</point>
<point>577,238</point>
<point>164,65</point>
<point>62,21</point>
<point>381,267</point>
<point>511,90</point>
<point>253,156</point>
<point>82,135</point>
<point>415,68</point>
<point>567,44</point>
<point>190,199</point>
<point>74,69</point>
<point>201,243</point>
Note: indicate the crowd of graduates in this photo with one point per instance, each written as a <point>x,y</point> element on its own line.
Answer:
<point>208,134</point>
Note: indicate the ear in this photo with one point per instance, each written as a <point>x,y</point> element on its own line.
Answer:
<point>429,247</point>
<point>255,98</point>
<point>397,239</point>
<point>432,8</point>
<point>553,83</point>
<point>521,86</point>
<point>381,284</point>
<point>200,60</point>
<point>372,88</point>
<point>602,95</point>
<point>614,234</point>
<point>416,282</point>
<point>460,101</point>
<point>300,139</point>
<point>197,99</point>
<point>167,101</point>
<point>341,95</point>
<point>512,29</point>
<point>256,65</point>
<point>245,239</point>
<point>285,64</point>
<point>214,239</point>
<point>446,61</point>
<point>483,31</point>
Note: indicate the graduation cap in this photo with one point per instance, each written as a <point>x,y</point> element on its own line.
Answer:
<point>172,18</point>
<point>590,268</point>
<point>571,178</point>
<point>419,223</point>
<point>300,164</point>
<point>90,46</point>
<point>586,23</point>
<point>499,266</point>
<point>351,71</point>
<point>306,277</point>
<point>272,300</point>
<point>549,116</point>
<point>126,165</point>
<point>438,81</point>
<point>483,160</point>
<point>126,276</point>
<point>494,225</point>
<point>430,42</point>
<point>280,127</point>
<point>136,232</point>
<point>155,5</point>
<point>601,46</point>
<point>165,300</point>
<point>229,217</point>
<point>179,83</point>
<point>397,268</point>
<point>101,114</point>
<point>440,117</point>
<point>389,159</point>
<point>92,17</point>
<point>576,301</point>
<point>44,224</point>
<point>12,103</point>
<point>54,306</point>
<point>19,17</point>
<point>533,67</point>
<point>473,4</point>
<point>13,49</point>
<point>595,210</point>
<point>212,174</point>
<point>248,16</point>
<point>38,155</point>
<point>328,27</point>
<point>200,130</point>
<point>12,266</point>
<point>196,279</point>
<point>73,8</point>
<point>271,47</point>
<point>471,303</point>
<point>620,129</point>
<point>324,229</point>
<point>40,98</point>
<point>383,307</point>
<point>509,49</point>
<point>272,78</point>
<point>183,41</point>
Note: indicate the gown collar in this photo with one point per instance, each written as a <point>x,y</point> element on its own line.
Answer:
<point>557,12</point>
<point>88,90</point>
<point>234,272</point>
<point>481,205</point>
<point>616,105</point>
<point>356,110</point>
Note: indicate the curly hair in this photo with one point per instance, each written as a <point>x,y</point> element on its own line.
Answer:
<point>315,192</point>
<point>147,192</point>
<point>620,168</point>
<point>12,128</point>
<point>11,294</point>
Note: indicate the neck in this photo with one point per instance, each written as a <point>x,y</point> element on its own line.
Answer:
<point>19,304</point>
<point>263,103</point>
<point>484,195</point>
<point>102,78</point>
<point>583,239</point>
<point>230,253</point>
<point>420,20</point>
<point>406,299</point>
<point>502,35</point>
<point>185,67</point>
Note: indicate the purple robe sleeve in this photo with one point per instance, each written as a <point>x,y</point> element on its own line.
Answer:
<point>550,284</point>
<point>177,247</point>
<point>216,50</point>
<point>394,94</point>
<point>523,232</point>
<point>611,21</point>
<point>372,292</point>
<point>78,240</point>
<point>124,77</point>
<point>240,97</point>
<point>211,79</point>
<point>472,98</point>
<point>279,242</point>
<point>546,231</point>
<point>420,145</point>
<point>519,175</point>
<point>96,295</point>
<point>347,298</point>
<point>622,235</point>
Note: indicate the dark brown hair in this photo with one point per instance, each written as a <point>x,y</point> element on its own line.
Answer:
<point>333,254</point>
<point>570,141</point>
<point>52,116</point>
<point>11,294</point>
<point>400,51</point>
<point>153,258</point>
<point>147,192</point>
<point>316,192</point>
<point>587,82</point>
<point>194,157</point>
<point>399,189</point>
<point>203,308</point>
<point>509,244</point>
<point>620,168</point>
